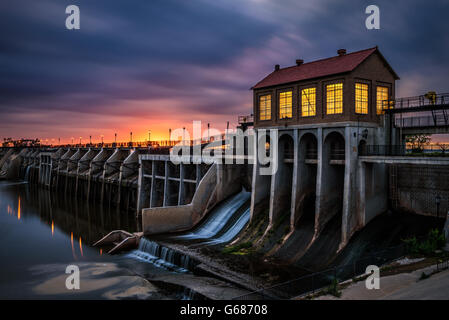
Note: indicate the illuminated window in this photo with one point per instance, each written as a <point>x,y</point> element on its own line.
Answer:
<point>382,95</point>
<point>265,107</point>
<point>334,98</point>
<point>308,102</point>
<point>285,105</point>
<point>361,98</point>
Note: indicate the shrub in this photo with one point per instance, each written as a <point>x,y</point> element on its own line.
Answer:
<point>333,288</point>
<point>435,240</point>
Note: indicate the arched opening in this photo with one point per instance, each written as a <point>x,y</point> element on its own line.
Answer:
<point>336,144</point>
<point>332,183</point>
<point>307,171</point>
<point>282,189</point>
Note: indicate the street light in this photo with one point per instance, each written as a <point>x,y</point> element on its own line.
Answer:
<point>438,202</point>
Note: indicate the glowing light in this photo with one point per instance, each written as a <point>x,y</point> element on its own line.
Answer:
<point>308,102</point>
<point>81,247</point>
<point>285,105</point>
<point>73,249</point>
<point>18,210</point>
<point>52,228</point>
<point>101,251</point>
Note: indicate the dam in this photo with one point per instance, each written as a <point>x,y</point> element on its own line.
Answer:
<point>336,141</point>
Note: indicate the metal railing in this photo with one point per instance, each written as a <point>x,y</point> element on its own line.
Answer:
<point>382,150</point>
<point>416,102</point>
<point>246,119</point>
<point>315,282</point>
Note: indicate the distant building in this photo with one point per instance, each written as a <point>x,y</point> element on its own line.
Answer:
<point>347,87</point>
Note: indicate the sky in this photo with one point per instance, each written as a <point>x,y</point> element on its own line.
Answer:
<point>142,65</point>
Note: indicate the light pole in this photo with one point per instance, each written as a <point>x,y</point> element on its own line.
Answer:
<point>102,142</point>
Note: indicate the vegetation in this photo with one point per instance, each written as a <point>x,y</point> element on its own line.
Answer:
<point>333,289</point>
<point>417,141</point>
<point>443,147</point>
<point>239,249</point>
<point>435,240</point>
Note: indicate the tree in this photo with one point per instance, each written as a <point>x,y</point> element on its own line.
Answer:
<point>418,141</point>
<point>443,147</point>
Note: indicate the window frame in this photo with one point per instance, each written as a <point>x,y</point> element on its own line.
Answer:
<point>291,90</point>
<point>377,100</point>
<point>301,106</point>
<point>334,83</point>
<point>362,100</point>
<point>270,114</point>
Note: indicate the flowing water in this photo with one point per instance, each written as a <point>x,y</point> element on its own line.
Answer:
<point>218,218</point>
<point>222,225</point>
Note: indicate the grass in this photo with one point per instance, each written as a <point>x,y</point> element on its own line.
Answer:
<point>238,249</point>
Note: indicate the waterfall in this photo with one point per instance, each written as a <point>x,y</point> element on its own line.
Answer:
<point>188,294</point>
<point>218,218</point>
<point>160,256</point>
<point>27,173</point>
<point>232,231</point>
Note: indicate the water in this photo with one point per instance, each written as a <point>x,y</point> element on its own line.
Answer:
<point>221,226</point>
<point>233,230</point>
<point>218,218</point>
<point>42,232</point>
<point>162,257</point>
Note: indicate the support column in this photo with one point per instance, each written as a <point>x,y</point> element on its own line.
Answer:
<point>140,189</point>
<point>350,221</point>
<point>166,185</point>
<point>296,179</point>
<point>319,202</point>
<point>153,184</point>
<point>260,187</point>
<point>361,194</point>
<point>181,194</point>
<point>198,174</point>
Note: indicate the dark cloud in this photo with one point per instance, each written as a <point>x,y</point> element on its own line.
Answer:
<point>194,57</point>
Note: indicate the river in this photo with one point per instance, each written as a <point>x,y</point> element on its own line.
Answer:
<point>43,232</point>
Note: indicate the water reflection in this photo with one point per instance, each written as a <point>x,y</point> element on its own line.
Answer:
<point>40,228</point>
<point>87,222</point>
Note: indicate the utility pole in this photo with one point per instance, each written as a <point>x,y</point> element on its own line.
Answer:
<point>208,132</point>
<point>90,139</point>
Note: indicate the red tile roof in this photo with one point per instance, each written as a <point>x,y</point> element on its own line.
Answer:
<point>316,69</point>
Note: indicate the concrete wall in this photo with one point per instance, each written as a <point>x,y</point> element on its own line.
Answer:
<point>417,187</point>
